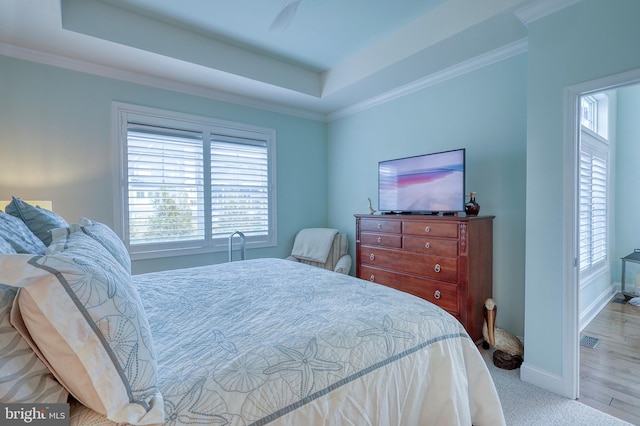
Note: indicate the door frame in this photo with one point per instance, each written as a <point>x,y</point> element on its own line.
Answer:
<point>571,332</point>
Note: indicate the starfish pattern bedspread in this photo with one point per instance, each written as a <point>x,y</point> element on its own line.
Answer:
<point>270,341</point>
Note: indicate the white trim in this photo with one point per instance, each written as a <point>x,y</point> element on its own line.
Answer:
<point>596,306</point>
<point>489,58</point>
<point>570,336</point>
<point>542,8</point>
<point>542,378</point>
<point>570,385</point>
<point>146,80</point>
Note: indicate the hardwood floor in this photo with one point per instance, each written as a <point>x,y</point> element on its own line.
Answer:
<point>610,373</point>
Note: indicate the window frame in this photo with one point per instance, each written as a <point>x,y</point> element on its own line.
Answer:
<point>592,102</point>
<point>123,114</point>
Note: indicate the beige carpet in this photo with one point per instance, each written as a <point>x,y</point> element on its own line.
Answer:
<point>527,405</point>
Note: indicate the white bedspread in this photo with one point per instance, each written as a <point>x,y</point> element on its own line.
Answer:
<point>270,341</point>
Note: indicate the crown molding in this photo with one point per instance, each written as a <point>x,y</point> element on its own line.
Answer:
<point>146,80</point>
<point>542,8</point>
<point>454,71</point>
<point>497,55</point>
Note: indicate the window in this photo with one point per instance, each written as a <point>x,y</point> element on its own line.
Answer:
<point>594,185</point>
<point>593,204</point>
<point>588,112</point>
<point>186,183</point>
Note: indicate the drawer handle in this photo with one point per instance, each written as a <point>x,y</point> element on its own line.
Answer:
<point>436,294</point>
<point>379,240</point>
<point>372,278</point>
<point>435,268</point>
<point>427,229</point>
<point>379,226</point>
<point>427,245</point>
<point>372,256</point>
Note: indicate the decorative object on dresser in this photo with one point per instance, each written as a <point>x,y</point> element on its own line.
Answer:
<point>447,260</point>
<point>371,209</point>
<point>472,208</point>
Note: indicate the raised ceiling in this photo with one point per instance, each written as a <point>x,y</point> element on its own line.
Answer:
<point>333,55</point>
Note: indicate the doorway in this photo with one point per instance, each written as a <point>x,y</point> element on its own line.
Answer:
<point>585,300</point>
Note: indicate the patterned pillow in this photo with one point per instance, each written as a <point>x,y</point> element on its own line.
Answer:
<point>23,377</point>
<point>5,247</point>
<point>39,220</point>
<point>109,240</point>
<point>87,321</point>
<point>15,232</point>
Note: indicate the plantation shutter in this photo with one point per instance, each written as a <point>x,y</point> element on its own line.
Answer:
<point>165,185</point>
<point>239,186</point>
<point>593,202</point>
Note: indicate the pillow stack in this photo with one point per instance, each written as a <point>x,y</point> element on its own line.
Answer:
<point>75,306</point>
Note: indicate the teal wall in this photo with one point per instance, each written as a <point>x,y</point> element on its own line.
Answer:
<point>56,144</point>
<point>587,41</point>
<point>483,111</point>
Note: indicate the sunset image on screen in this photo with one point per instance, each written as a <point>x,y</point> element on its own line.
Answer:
<point>430,183</point>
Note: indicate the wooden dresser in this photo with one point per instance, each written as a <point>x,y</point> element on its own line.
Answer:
<point>447,260</point>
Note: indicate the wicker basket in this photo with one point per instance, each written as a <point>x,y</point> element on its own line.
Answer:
<point>505,361</point>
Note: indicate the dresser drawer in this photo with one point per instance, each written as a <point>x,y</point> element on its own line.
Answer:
<point>382,240</point>
<point>430,228</point>
<point>381,225</point>
<point>438,268</point>
<point>442,294</point>
<point>432,246</point>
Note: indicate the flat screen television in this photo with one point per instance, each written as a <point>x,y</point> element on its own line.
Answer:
<point>424,184</point>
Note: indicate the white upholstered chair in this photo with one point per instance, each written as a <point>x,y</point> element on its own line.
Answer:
<point>322,247</point>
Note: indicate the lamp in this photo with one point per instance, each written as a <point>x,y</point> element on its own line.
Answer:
<point>44,204</point>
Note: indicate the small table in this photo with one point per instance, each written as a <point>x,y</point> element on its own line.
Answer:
<point>630,258</point>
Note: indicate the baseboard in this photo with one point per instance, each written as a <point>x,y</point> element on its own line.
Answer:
<point>597,305</point>
<point>543,379</point>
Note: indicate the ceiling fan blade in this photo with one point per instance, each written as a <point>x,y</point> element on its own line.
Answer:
<point>285,16</point>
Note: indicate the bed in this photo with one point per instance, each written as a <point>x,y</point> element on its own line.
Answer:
<point>262,341</point>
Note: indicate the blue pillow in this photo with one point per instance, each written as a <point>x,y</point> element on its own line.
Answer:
<point>17,234</point>
<point>109,240</point>
<point>5,247</point>
<point>39,220</point>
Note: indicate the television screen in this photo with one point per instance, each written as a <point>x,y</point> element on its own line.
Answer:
<point>430,183</point>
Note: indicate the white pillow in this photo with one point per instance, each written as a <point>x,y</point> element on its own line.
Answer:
<point>85,318</point>
<point>23,377</point>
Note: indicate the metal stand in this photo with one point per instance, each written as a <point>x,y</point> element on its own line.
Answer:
<point>242,248</point>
